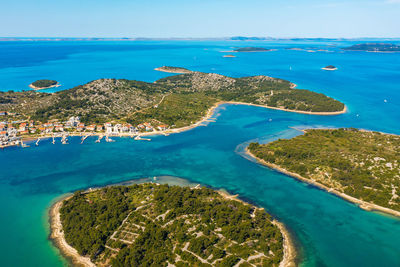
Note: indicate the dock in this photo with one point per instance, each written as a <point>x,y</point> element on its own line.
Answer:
<point>109,139</point>
<point>83,138</point>
<point>143,139</point>
<point>99,139</point>
<point>64,140</point>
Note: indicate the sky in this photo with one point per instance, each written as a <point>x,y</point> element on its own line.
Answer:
<point>200,18</point>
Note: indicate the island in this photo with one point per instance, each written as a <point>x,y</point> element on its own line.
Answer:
<point>160,225</point>
<point>43,84</point>
<point>120,107</point>
<point>329,67</point>
<point>170,69</point>
<point>228,56</point>
<point>360,166</point>
<point>252,49</point>
<point>374,47</point>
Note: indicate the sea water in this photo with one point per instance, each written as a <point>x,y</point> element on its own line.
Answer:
<point>328,231</point>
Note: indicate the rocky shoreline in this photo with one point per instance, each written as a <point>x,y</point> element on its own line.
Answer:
<point>362,204</point>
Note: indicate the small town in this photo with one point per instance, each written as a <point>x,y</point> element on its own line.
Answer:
<point>14,133</point>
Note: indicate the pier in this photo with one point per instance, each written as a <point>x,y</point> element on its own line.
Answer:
<point>64,139</point>
<point>83,138</point>
<point>109,139</point>
<point>143,139</point>
<point>99,139</point>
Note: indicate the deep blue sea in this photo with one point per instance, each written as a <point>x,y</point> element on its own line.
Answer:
<point>328,230</point>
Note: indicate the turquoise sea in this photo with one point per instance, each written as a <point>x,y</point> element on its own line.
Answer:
<point>328,230</point>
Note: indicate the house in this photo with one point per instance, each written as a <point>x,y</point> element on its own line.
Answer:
<point>3,133</point>
<point>91,127</point>
<point>59,128</point>
<point>49,129</point>
<point>80,127</point>
<point>3,113</point>
<point>162,127</point>
<point>109,129</point>
<point>22,127</point>
<point>117,128</point>
<point>73,121</point>
<point>99,128</point>
<point>24,132</point>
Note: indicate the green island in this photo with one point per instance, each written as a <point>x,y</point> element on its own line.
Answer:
<point>173,69</point>
<point>43,84</point>
<point>160,225</point>
<point>374,47</point>
<point>360,166</point>
<point>252,49</point>
<point>177,101</point>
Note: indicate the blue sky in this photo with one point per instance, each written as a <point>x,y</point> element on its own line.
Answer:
<point>200,18</point>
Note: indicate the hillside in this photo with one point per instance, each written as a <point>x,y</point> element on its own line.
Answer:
<point>190,95</point>
<point>160,225</point>
<point>362,164</point>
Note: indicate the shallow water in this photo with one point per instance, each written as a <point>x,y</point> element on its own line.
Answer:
<point>329,231</point>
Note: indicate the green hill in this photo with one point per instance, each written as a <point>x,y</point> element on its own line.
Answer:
<point>158,225</point>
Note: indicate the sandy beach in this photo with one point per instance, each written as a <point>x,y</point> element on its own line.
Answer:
<point>57,236</point>
<point>362,204</point>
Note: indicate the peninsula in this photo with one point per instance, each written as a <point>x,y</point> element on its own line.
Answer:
<point>43,84</point>
<point>360,166</point>
<point>116,107</point>
<point>374,47</point>
<point>161,225</point>
<point>252,49</point>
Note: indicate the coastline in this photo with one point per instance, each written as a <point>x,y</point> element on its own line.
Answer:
<point>295,111</point>
<point>43,88</point>
<point>58,239</point>
<point>70,253</point>
<point>289,249</point>
<point>360,203</point>
<point>185,128</point>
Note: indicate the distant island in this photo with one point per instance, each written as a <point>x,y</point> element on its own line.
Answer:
<point>360,166</point>
<point>374,47</point>
<point>160,225</point>
<point>43,84</point>
<point>329,67</point>
<point>229,56</point>
<point>173,69</point>
<point>120,107</point>
<point>252,49</point>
